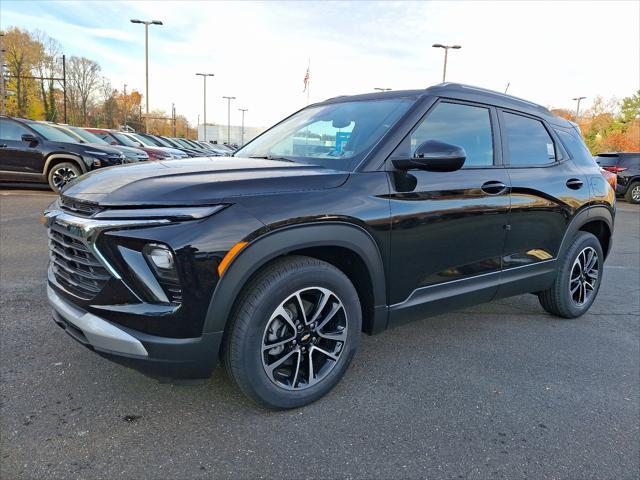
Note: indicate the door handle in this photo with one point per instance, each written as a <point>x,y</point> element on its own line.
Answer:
<point>493,187</point>
<point>574,183</point>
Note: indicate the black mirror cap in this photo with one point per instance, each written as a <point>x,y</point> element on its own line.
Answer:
<point>28,138</point>
<point>434,156</point>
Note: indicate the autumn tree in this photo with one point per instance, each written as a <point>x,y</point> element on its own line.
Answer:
<point>48,67</point>
<point>22,53</point>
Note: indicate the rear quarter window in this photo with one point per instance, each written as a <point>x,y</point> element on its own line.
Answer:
<point>631,161</point>
<point>576,148</point>
<point>607,161</point>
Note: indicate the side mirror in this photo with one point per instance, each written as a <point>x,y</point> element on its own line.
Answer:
<point>28,138</point>
<point>113,142</point>
<point>434,156</point>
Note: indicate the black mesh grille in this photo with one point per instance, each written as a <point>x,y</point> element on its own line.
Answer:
<point>80,207</point>
<point>75,267</point>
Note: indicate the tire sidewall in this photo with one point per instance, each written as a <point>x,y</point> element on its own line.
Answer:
<point>269,299</point>
<point>582,241</point>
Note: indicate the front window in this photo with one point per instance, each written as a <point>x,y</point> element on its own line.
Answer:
<point>52,134</point>
<point>336,135</point>
<point>143,140</point>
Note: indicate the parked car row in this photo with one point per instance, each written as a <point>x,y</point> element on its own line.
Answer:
<point>38,151</point>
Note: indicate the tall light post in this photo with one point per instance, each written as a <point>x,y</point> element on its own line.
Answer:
<point>446,54</point>
<point>204,77</point>
<point>243,110</point>
<point>381,89</point>
<point>146,24</point>
<point>577,99</point>
<point>229,118</point>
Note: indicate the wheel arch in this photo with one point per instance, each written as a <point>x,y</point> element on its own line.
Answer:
<point>348,247</point>
<point>56,158</point>
<point>598,220</point>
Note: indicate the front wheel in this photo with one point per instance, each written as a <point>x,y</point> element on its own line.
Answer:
<point>61,174</point>
<point>294,332</point>
<point>577,280</point>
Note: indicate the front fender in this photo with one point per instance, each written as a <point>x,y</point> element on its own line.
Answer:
<point>280,242</point>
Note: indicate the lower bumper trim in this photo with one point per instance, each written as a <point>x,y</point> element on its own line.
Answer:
<point>98,333</point>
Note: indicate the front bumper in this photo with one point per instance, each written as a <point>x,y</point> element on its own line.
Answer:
<point>159,357</point>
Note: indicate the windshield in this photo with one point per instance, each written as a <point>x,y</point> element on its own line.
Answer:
<point>143,140</point>
<point>123,139</point>
<point>182,143</point>
<point>87,136</point>
<point>52,134</point>
<point>168,142</point>
<point>336,135</point>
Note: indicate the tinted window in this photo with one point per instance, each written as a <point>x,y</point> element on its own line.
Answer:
<point>576,148</point>
<point>12,131</point>
<point>607,160</point>
<point>528,142</point>
<point>462,125</point>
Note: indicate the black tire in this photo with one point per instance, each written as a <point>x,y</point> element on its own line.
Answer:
<point>61,174</point>
<point>559,300</point>
<point>633,191</point>
<point>245,350</point>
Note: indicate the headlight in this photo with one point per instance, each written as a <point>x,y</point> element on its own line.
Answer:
<point>173,213</point>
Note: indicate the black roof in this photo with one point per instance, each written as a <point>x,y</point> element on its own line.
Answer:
<point>464,92</point>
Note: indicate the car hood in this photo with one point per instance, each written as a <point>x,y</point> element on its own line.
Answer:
<point>199,181</point>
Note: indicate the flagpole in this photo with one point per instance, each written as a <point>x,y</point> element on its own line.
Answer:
<point>308,81</point>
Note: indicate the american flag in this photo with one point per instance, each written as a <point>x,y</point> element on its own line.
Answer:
<point>307,77</point>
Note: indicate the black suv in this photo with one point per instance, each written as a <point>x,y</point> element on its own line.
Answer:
<point>32,151</point>
<point>626,166</point>
<point>355,214</point>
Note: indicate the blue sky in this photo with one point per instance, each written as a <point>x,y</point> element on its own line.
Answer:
<point>550,52</point>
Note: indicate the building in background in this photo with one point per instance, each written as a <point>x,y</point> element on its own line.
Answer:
<point>218,133</point>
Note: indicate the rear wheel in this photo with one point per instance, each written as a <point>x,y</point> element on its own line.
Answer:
<point>294,332</point>
<point>577,280</point>
<point>61,174</point>
<point>633,193</point>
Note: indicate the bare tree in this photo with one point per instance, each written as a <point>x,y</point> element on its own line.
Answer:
<point>83,76</point>
<point>47,67</point>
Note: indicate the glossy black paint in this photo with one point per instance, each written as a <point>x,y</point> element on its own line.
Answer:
<point>30,159</point>
<point>413,242</point>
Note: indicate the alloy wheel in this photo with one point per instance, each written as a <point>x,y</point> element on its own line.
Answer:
<point>304,338</point>
<point>635,193</point>
<point>62,176</point>
<point>583,280</point>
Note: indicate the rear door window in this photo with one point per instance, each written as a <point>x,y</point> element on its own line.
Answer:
<point>631,161</point>
<point>528,142</point>
<point>607,160</point>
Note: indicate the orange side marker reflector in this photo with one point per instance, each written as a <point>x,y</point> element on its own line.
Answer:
<point>231,254</point>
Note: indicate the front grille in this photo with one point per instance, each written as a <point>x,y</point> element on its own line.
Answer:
<point>173,290</point>
<point>80,207</point>
<point>75,267</point>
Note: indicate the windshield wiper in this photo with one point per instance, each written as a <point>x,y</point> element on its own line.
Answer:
<point>272,157</point>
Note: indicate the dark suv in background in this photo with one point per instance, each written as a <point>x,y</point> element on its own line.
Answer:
<point>355,214</point>
<point>32,151</point>
<point>626,166</point>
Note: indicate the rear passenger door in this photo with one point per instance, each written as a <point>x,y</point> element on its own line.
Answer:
<point>547,189</point>
<point>18,158</point>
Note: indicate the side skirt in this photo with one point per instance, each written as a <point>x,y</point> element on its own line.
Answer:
<point>444,297</point>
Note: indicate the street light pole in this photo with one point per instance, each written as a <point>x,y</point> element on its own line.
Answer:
<point>577,99</point>
<point>243,110</point>
<point>204,77</point>
<point>446,54</point>
<point>229,118</point>
<point>146,24</point>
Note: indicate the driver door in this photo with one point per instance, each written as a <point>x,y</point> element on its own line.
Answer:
<point>448,228</point>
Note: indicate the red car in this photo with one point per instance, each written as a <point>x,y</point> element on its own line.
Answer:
<point>114,137</point>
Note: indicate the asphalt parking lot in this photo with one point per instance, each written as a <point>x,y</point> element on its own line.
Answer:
<point>501,390</point>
